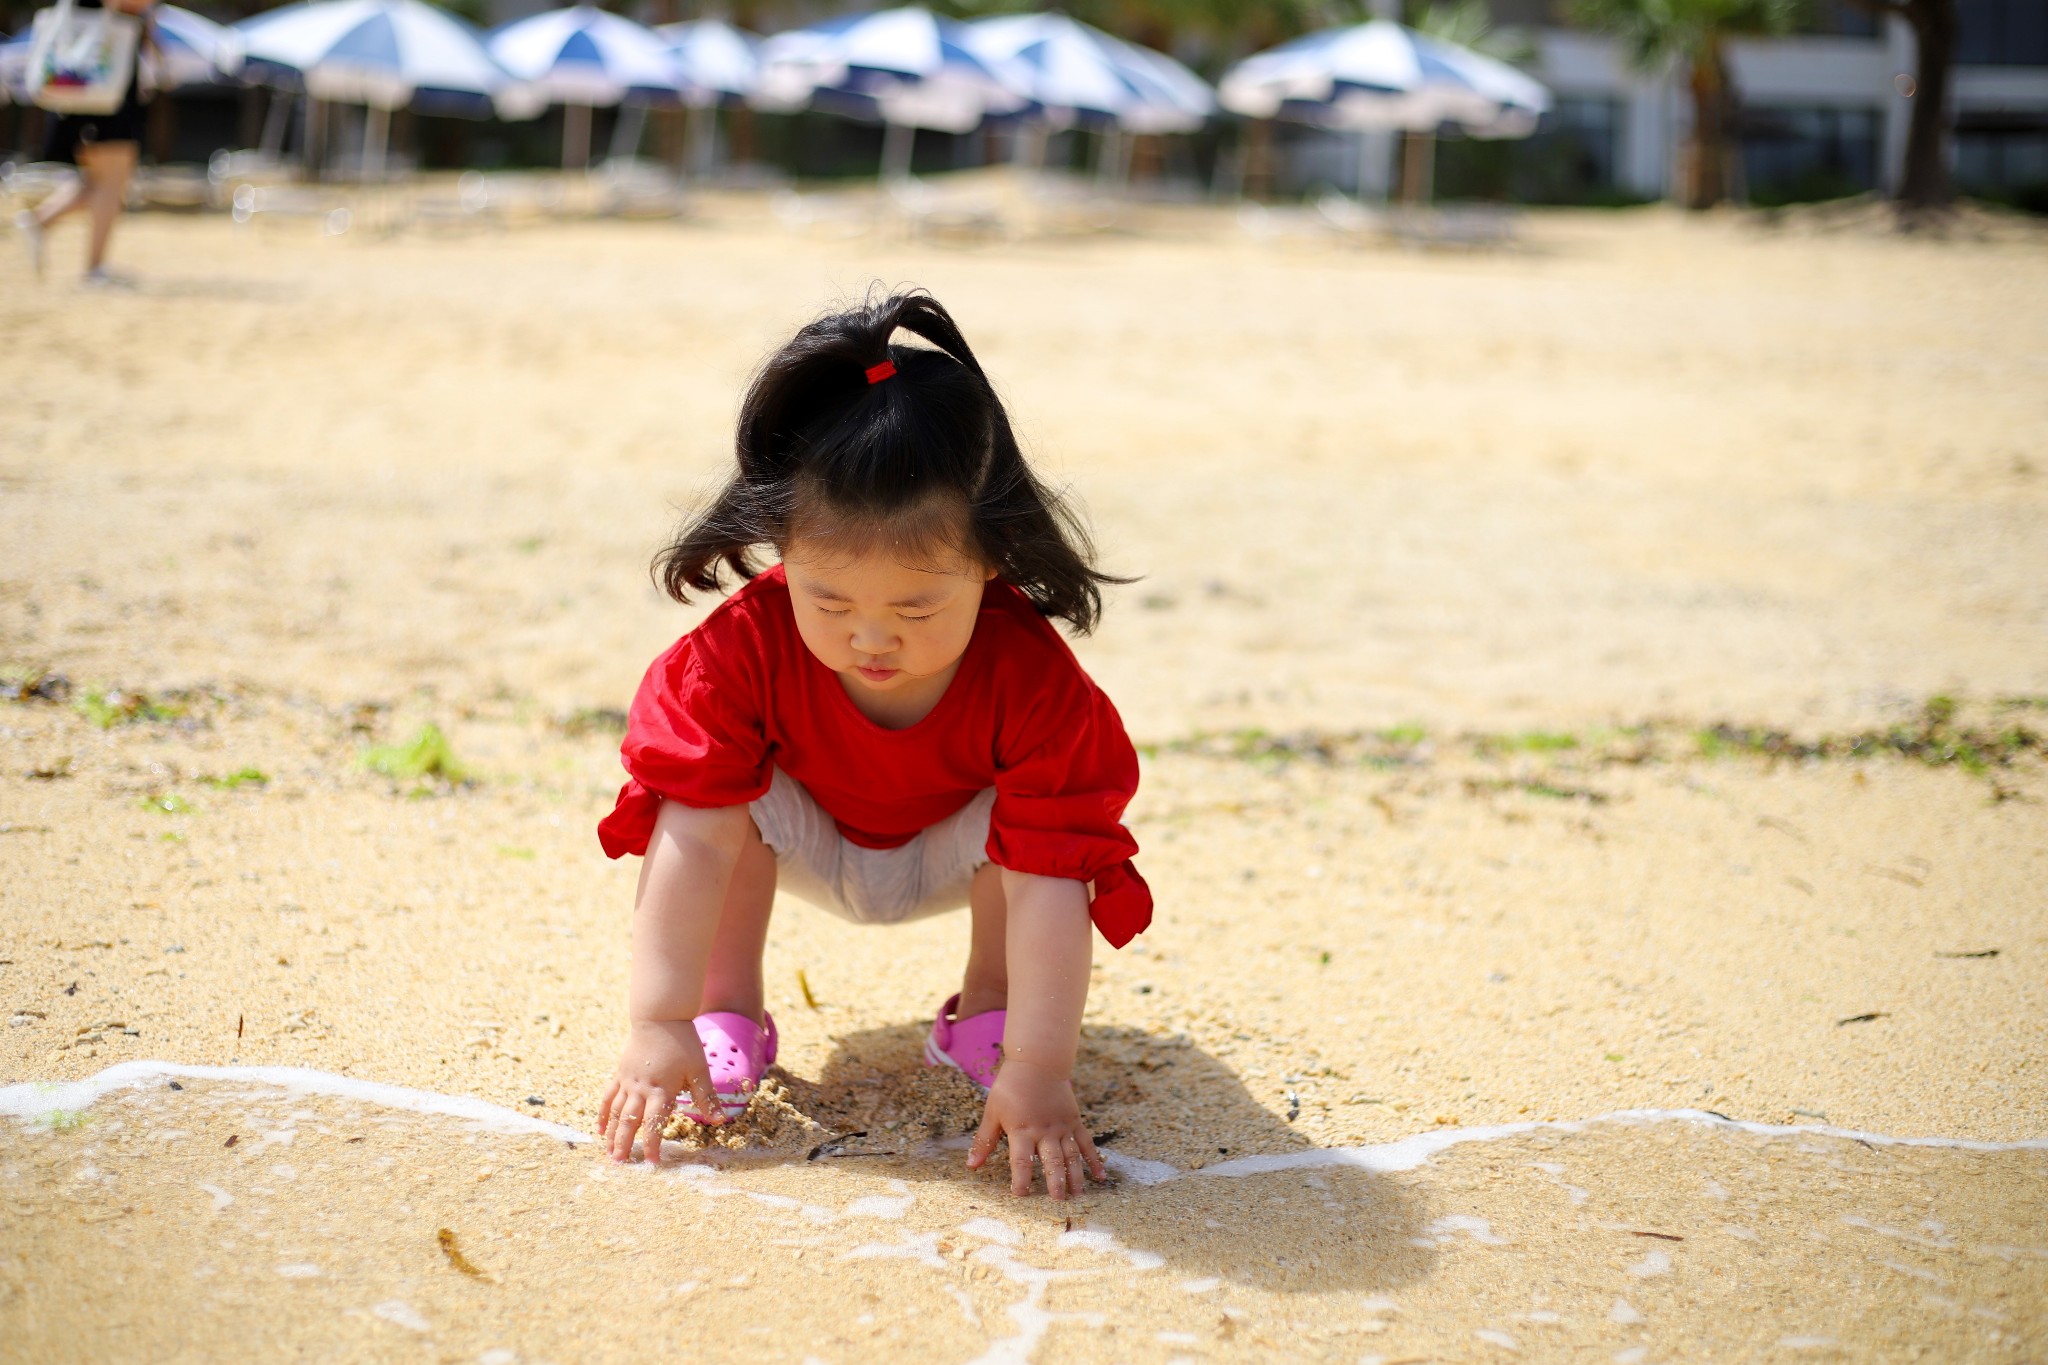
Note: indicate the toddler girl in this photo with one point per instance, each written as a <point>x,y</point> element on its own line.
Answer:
<point>885,724</point>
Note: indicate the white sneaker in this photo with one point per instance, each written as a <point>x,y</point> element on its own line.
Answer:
<point>32,233</point>
<point>99,277</point>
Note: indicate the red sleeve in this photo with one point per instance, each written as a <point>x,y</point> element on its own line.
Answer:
<point>1060,802</point>
<point>694,735</point>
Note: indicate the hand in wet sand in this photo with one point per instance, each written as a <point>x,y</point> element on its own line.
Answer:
<point>663,1058</point>
<point>1035,1109</point>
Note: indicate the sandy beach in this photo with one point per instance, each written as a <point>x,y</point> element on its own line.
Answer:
<point>1592,700</point>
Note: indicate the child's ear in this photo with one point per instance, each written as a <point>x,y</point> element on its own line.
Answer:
<point>990,574</point>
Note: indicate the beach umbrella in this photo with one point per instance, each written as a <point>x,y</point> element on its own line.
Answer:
<point>1383,76</point>
<point>715,61</point>
<point>385,55</point>
<point>1073,73</point>
<point>14,67</point>
<point>191,50</point>
<point>903,68</point>
<point>718,64</point>
<point>583,57</point>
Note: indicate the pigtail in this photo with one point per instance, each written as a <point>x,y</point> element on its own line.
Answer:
<point>900,460</point>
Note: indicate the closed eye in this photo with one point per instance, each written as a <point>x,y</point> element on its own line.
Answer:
<point>926,617</point>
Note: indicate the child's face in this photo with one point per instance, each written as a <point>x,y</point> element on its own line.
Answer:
<point>883,625</point>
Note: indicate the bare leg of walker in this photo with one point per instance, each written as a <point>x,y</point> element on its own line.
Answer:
<point>986,985</point>
<point>732,978</point>
<point>72,195</point>
<point>108,169</point>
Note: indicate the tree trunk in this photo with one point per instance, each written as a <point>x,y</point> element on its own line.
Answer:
<point>1708,149</point>
<point>1926,185</point>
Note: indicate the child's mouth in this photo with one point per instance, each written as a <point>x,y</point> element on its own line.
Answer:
<point>876,674</point>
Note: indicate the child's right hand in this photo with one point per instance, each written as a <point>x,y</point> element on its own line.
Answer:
<point>663,1058</point>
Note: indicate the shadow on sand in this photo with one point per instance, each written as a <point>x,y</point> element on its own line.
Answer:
<point>1154,1099</point>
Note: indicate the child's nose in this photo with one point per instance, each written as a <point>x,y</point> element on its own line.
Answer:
<point>872,637</point>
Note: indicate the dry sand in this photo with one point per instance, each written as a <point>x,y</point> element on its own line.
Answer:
<point>1541,516</point>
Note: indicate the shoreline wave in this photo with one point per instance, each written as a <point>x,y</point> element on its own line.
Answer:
<point>28,1101</point>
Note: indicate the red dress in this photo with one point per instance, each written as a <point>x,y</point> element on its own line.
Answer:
<point>741,695</point>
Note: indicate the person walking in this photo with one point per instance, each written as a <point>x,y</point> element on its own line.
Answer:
<point>105,149</point>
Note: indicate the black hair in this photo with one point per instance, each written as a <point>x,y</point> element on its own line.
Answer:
<point>921,460</point>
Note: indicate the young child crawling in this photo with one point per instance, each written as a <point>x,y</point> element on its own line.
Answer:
<point>885,723</point>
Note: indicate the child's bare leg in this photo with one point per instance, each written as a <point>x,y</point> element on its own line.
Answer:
<point>67,197</point>
<point>986,985</point>
<point>732,978</point>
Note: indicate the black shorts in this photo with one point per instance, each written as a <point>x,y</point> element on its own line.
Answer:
<point>68,132</point>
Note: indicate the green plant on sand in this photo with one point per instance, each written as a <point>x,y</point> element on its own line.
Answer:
<point>427,754</point>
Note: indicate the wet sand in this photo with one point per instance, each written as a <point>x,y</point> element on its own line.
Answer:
<point>1478,546</point>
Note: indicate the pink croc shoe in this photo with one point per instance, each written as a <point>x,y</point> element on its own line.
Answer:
<point>973,1047</point>
<point>739,1051</point>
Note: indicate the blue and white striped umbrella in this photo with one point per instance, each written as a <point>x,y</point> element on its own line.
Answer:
<point>191,51</point>
<point>584,55</point>
<point>1382,75</point>
<point>902,67</point>
<point>1076,74</point>
<point>14,67</point>
<point>716,61</point>
<point>387,54</point>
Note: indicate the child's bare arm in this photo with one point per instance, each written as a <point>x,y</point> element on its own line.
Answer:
<point>1049,941</point>
<point>683,883</point>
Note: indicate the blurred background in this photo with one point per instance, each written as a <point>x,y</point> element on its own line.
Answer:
<point>1767,102</point>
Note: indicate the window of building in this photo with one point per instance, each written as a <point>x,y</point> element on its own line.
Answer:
<point>1839,19</point>
<point>1792,155</point>
<point>2002,32</point>
<point>2005,160</point>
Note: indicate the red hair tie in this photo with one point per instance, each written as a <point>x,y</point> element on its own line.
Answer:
<point>877,373</point>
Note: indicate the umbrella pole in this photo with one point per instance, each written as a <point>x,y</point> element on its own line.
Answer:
<point>274,120</point>
<point>1111,153</point>
<point>626,133</point>
<point>703,138</point>
<point>575,137</point>
<point>1418,174</point>
<point>376,133</point>
<point>899,140</point>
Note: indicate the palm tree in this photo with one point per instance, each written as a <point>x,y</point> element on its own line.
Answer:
<point>1694,32</point>
<point>1461,23</point>
<point>1925,186</point>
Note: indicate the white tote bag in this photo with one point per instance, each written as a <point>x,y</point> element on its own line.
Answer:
<point>80,60</point>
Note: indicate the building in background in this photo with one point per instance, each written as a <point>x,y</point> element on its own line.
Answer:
<point>1823,112</point>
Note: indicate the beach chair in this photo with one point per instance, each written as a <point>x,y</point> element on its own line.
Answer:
<point>506,196</point>
<point>329,209</point>
<point>1455,227</point>
<point>1359,224</point>
<point>181,185</point>
<point>227,171</point>
<point>464,206</point>
<point>27,184</point>
<point>1069,206</point>
<point>925,212</point>
<point>631,187</point>
<point>1288,225</point>
<point>838,217</point>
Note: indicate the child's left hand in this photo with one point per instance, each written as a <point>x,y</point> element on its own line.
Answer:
<point>1035,1109</point>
